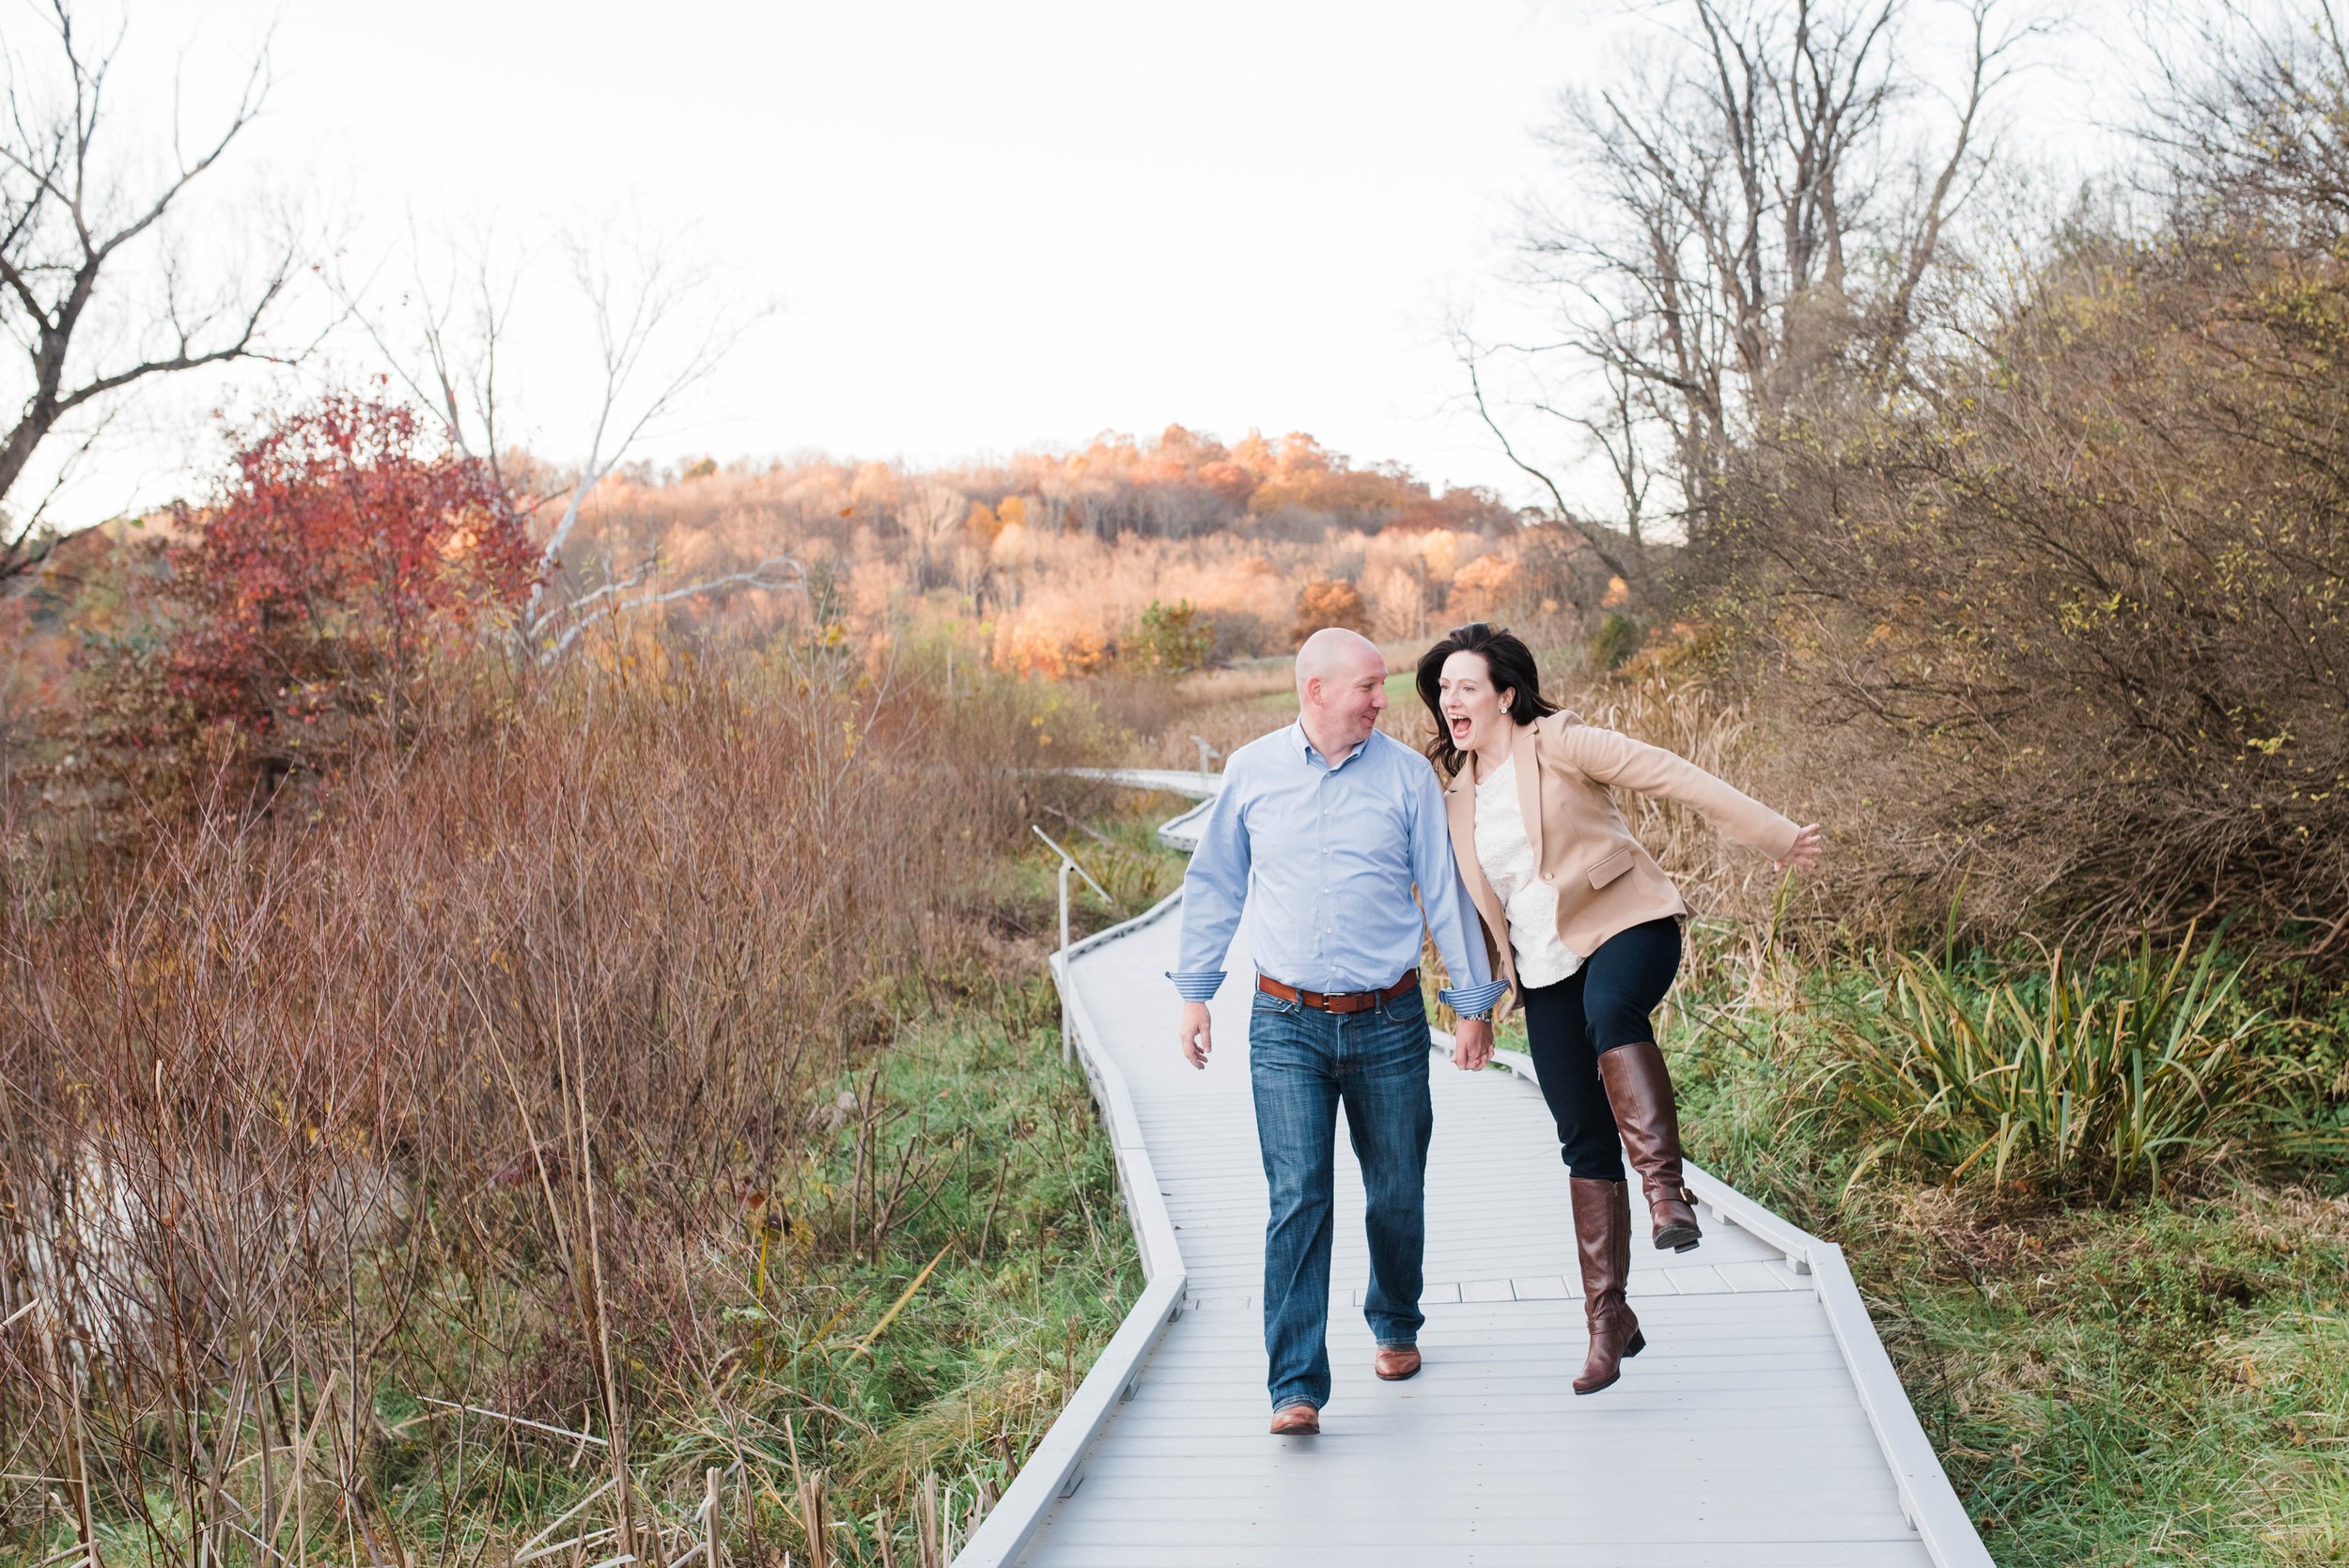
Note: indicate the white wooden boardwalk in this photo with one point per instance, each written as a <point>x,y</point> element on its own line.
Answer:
<point>1762,1426</point>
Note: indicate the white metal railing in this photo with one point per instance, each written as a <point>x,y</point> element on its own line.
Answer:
<point>1050,1471</point>
<point>1067,865</point>
<point>1171,781</point>
<point>1182,833</point>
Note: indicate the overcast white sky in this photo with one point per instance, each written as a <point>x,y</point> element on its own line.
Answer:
<point>988,225</point>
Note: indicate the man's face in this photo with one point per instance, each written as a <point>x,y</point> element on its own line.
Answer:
<point>1350,698</point>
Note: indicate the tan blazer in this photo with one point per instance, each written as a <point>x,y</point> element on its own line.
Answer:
<point>1606,882</point>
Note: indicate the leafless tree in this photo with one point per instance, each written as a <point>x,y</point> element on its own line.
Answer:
<point>79,231</point>
<point>928,514</point>
<point>2249,120</point>
<point>659,335</point>
<point>1758,214</point>
<point>1620,551</point>
<point>459,303</point>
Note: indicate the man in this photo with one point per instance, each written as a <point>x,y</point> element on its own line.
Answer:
<point>1332,825</point>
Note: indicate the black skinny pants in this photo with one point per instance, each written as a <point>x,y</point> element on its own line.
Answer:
<point>1601,1005</point>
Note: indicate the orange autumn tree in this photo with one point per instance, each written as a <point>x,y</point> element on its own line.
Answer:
<point>342,548</point>
<point>1331,603</point>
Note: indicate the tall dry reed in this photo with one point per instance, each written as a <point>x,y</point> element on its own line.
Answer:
<point>448,1078</point>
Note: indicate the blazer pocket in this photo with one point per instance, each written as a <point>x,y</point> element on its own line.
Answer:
<point>1612,867</point>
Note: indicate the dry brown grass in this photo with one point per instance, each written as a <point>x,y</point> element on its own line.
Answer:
<point>462,1088</point>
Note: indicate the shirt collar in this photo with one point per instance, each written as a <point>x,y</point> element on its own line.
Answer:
<point>1305,747</point>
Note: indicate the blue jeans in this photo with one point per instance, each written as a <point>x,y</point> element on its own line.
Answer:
<point>1304,1062</point>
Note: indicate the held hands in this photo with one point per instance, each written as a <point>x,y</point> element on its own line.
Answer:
<point>1809,844</point>
<point>1196,1033</point>
<point>1473,1040</point>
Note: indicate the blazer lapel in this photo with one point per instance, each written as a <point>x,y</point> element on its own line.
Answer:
<point>1525,753</point>
<point>1460,809</point>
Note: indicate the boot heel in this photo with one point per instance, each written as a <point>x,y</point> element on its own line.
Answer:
<point>1678,1238</point>
<point>1639,1343</point>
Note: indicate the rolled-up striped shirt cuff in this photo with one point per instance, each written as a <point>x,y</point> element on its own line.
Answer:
<point>1198,985</point>
<point>1473,998</point>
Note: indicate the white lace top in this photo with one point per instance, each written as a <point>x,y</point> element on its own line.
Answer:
<point>1506,856</point>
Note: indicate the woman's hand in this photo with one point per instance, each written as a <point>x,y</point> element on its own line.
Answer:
<point>1472,1044</point>
<point>1809,842</point>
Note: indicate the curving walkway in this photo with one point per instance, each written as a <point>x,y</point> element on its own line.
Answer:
<point>1762,1426</point>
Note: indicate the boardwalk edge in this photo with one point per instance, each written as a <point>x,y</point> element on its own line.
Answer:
<point>1003,1534</point>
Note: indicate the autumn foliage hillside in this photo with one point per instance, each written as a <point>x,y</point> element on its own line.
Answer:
<point>1050,562</point>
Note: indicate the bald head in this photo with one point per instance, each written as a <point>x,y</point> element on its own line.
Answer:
<point>1341,690</point>
<point>1333,651</point>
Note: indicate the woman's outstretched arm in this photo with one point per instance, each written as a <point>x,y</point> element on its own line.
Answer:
<point>1617,759</point>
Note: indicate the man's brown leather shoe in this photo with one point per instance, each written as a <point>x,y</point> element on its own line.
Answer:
<point>1295,1420</point>
<point>1396,1362</point>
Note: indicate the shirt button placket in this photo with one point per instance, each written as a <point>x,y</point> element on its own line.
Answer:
<point>1321,905</point>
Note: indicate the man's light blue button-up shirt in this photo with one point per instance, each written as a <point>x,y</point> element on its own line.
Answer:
<point>1330,855</point>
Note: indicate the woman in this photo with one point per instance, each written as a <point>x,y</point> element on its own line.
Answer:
<point>1586,926</point>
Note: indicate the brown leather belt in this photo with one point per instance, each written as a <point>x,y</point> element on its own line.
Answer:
<point>1340,1002</point>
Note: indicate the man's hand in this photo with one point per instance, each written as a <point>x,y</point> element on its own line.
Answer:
<point>1808,843</point>
<point>1196,1035</point>
<point>1472,1044</point>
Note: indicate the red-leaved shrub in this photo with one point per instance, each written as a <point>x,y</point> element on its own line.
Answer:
<point>343,543</point>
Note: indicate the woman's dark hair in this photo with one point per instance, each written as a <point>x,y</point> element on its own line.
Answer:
<point>1509,662</point>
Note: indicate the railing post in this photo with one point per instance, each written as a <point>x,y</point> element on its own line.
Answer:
<point>1066,1050</point>
<point>1067,865</point>
<point>1205,752</point>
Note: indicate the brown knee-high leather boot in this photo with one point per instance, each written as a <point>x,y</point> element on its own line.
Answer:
<point>1640,1092</point>
<point>1602,1235</point>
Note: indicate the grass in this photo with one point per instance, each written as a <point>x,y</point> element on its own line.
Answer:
<point>2157,1376</point>
<point>2166,1382</point>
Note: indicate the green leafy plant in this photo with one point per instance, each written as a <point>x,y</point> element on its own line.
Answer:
<point>1170,640</point>
<point>1618,637</point>
<point>2112,1071</point>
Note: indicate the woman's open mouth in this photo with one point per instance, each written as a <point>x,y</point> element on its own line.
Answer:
<point>1460,729</point>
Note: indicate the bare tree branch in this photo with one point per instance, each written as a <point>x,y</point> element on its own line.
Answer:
<point>657,338</point>
<point>66,214</point>
<point>631,305</point>
<point>1753,227</point>
<point>2250,121</point>
<point>756,577</point>
<point>1592,536</point>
